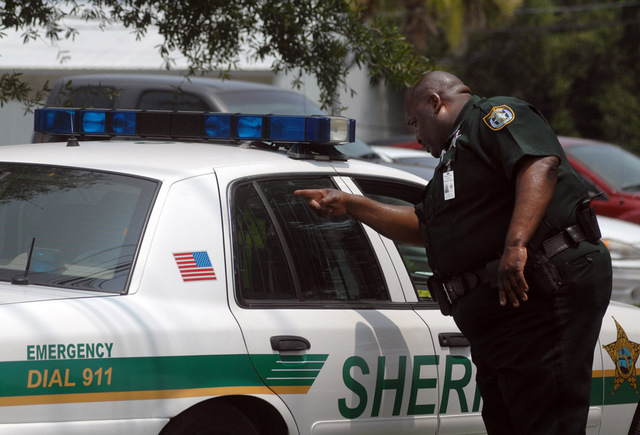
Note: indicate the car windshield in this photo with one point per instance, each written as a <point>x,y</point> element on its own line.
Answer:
<point>616,166</point>
<point>70,228</point>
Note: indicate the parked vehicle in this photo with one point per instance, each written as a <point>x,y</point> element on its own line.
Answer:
<point>174,92</point>
<point>418,158</point>
<point>623,240</point>
<point>151,284</point>
<point>611,172</point>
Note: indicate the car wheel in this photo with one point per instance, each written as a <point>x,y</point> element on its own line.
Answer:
<point>210,418</point>
<point>635,423</point>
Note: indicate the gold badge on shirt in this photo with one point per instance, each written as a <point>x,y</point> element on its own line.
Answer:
<point>499,117</point>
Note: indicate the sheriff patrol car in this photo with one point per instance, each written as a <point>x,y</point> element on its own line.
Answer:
<point>154,285</point>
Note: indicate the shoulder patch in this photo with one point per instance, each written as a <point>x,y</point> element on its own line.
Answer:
<point>498,117</point>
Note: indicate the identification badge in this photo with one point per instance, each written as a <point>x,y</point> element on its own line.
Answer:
<point>449,186</point>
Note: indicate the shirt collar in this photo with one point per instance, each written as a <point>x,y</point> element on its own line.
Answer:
<point>464,112</point>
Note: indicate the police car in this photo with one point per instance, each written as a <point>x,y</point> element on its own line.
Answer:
<point>169,281</point>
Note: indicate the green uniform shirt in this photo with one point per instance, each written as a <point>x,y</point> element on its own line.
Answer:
<point>466,227</point>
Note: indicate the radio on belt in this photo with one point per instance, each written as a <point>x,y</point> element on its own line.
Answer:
<point>316,129</point>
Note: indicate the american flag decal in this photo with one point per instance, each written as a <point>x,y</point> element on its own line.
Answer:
<point>194,266</point>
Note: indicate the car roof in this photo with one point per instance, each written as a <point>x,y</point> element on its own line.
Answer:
<point>169,81</point>
<point>166,159</point>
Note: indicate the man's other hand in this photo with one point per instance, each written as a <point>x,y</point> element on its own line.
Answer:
<point>511,283</point>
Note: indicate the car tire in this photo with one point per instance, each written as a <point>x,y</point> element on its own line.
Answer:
<point>211,418</point>
<point>635,423</point>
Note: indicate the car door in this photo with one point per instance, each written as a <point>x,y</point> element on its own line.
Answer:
<point>323,315</point>
<point>460,401</point>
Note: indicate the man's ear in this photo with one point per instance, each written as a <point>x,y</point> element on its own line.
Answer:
<point>435,102</point>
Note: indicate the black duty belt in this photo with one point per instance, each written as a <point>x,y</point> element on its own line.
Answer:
<point>566,238</point>
<point>462,284</point>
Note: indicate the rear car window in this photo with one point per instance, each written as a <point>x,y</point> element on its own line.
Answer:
<point>75,228</point>
<point>284,252</point>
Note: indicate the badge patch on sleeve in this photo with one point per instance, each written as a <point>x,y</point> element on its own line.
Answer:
<point>499,117</point>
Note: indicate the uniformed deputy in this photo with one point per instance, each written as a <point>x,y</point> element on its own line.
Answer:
<point>514,247</point>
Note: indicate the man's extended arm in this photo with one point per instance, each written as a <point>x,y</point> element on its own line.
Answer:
<point>535,183</point>
<point>398,223</point>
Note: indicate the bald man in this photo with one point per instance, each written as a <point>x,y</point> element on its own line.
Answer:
<point>511,239</point>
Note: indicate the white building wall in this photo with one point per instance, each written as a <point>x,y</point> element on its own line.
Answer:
<point>15,126</point>
<point>377,109</point>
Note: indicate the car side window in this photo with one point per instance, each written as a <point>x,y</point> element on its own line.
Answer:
<point>414,257</point>
<point>284,252</point>
<point>171,100</point>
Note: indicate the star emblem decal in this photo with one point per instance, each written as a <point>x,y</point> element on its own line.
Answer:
<point>624,354</point>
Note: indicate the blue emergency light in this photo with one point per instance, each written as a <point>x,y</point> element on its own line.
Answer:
<point>316,129</point>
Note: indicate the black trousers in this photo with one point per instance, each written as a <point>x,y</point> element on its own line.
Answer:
<point>534,362</point>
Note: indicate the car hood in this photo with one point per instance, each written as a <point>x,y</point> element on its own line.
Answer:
<point>13,294</point>
<point>617,229</point>
<point>622,308</point>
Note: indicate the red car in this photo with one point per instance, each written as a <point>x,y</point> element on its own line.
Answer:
<point>608,170</point>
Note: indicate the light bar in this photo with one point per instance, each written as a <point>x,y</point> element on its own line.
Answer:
<point>316,129</point>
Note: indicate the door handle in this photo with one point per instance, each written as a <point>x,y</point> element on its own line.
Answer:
<point>289,342</point>
<point>453,339</point>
